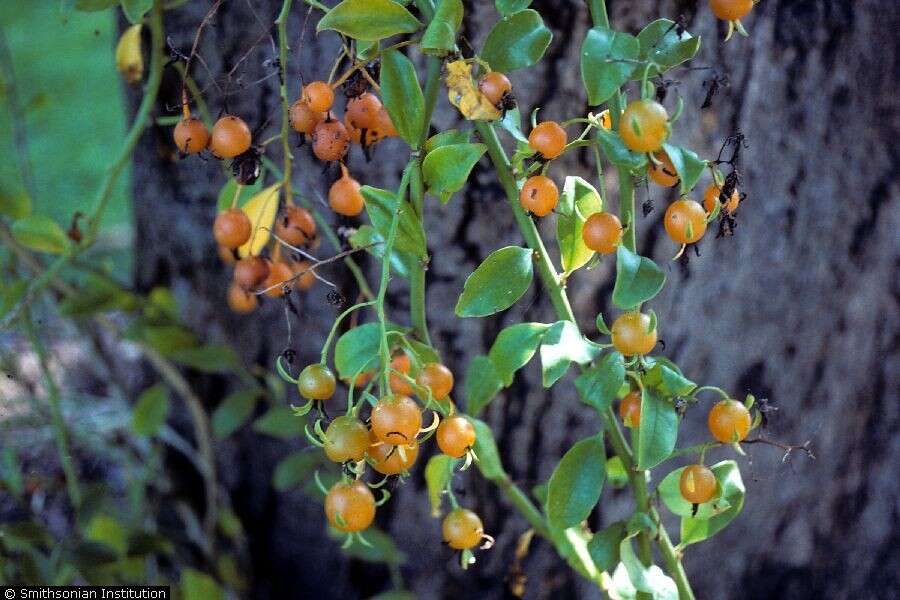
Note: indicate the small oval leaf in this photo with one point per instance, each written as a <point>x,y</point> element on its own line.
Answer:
<point>497,283</point>
<point>40,233</point>
<point>516,41</point>
<point>638,279</point>
<point>575,485</point>
<point>447,168</point>
<point>402,96</point>
<point>369,20</point>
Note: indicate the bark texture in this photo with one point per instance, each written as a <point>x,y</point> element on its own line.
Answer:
<point>799,307</point>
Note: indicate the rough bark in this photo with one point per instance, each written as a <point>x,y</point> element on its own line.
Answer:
<point>800,306</point>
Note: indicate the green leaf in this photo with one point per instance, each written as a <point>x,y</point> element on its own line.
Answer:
<point>380,206</point>
<point>604,546</point>
<point>599,385</point>
<point>669,381</point>
<point>15,205</point>
<point>279,422</point>
<point>658,430</point>
<point>447,138</point>
<point>357,350</point>
<point>150,410</point>
<point>661,43</point>
<point>731,489</point>
<point>616,152</point>
<point>601,74</point>
<point>369,20</point>
<point>11,294</point>
<point>651,580</point>
<point>514,347</point>
<point>366,236</point>
<point>638,279</point>
<point>562,345</point>
<point>136,9</point>
<point>440,35</point>
<point>233,412</point>
<point>215,358</point>
<point>438,473</point>
<point>486,449</point>
<point>688,165</point>
<point>508,7</point>
<point>670,492</point>
<point>575,485</point>
<point>512,122</point>
<point>107,530</point>
<point>94,5</point>
<point>226,193</point>
<point>199,586</point>
<point>40,233</point>
<point>423,353</point>
<point>579,201</point>
<point>402,96</point>
<point>447,168</point>
<point>497,283</point>
<point>295,470</point>
<point>394,595</point>
<point>616,474</point>
<point>482,383</point>
<point>167,339</point>
<point>516,41</point>
<point>381,548</point>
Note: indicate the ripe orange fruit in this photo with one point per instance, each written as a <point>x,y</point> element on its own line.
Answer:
<point>685,221</point>
<point>191,135</point>
<point>230,137</point>
<point>602,232</point>
<point>539,195</point>
<point>344,196</point>
<point>644,126</point>
<point>548,138</point>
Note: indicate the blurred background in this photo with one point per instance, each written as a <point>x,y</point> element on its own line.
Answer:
<point>164,406</point>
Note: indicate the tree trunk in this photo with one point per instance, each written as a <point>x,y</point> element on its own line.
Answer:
<point>799,306</point>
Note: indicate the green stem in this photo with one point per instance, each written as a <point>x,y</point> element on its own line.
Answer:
<point>142,117</point>
<point>386,276</point>
<point>529,231</point>
<point>281,22</point>
<point>417,312</point>
<point>61,435</point>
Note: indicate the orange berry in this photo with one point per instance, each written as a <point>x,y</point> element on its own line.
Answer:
<point>344,196</point>
<point>251,271</point>
<point>396,420</point>
<point>240,300</point>
<point>401,364</point>
<point>296,226</point>
<point>388,460</point>
<point>630,409</point>
<point>316,382</point>
<point>437,378</point>
<point>455,435</point>
<point>462,529</point>
<point>663,174</point>
<point>384,127</point>
<point>644,126</point>
<point>630,335</point>
<point>602,232</point>
<point>330,140</point>
<point>548,138</point>
<point>685,221</point>
<point>346,439</point>
<point>731,10</point>
<point>232,228</point>
<point>227,255</point>
<point>729,421</point>
<point>279,273</point>
<point>302,118</point>
<point>494,85</point>
<point>191,135</point>
<point>697,484</point>
<point>362,111</point>
<point>711,198</point>
<point>350,506</point>
<point>539,195</point>
<point>319,96</point>
<point>230,137</point>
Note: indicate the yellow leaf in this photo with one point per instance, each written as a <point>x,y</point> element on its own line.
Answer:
<point>261,209</point>
<point>129,61</point>
<point>464,94</point>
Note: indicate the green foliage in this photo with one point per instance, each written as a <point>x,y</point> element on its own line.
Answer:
<point>446,168</point>
<point>731,490</point>
<point>508,7</point>
<point>514,347</point>
<point>658,429</point>
<point>661,43</point>
<point>597,386</point>
<point>638,279</point>
<point>136,9</point>
<point>234,411</point>
<point>40,233</point>
<point>438,473</point>
<point>604,546</point>
<point>150,411</point>
<point>562,345</point>
<point>381,206</point>
<point>576,483</point>
<point>440,35</point>
<point>486,448</point>
<point>402,96</point>
<point>578,201</point>
<point>482,383</point>
<point>687,164</point>
<point>516,41</point>
<point>369,20</point>
<point>616,152</point>
<point>607,61</point>
<point>498,282</point>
